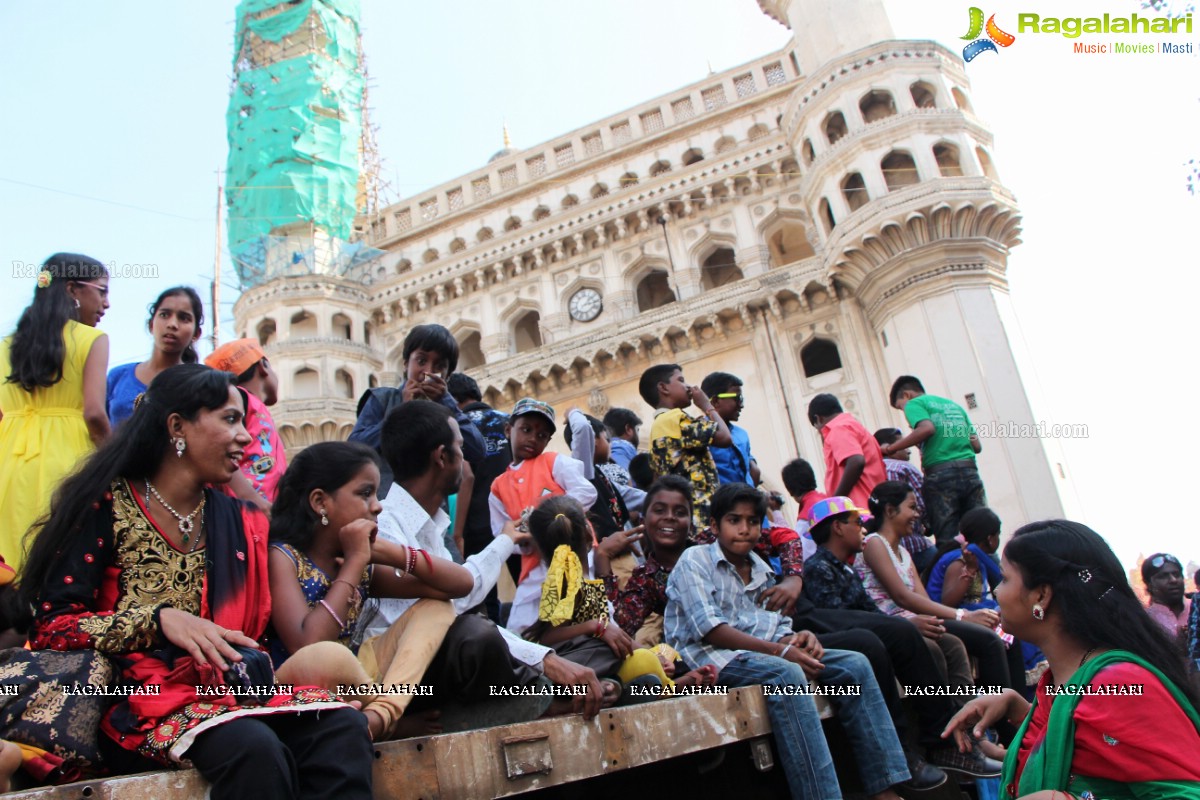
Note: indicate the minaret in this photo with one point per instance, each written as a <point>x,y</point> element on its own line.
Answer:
<point>915,228</point>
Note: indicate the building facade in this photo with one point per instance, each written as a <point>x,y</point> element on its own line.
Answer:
<point>822,219</point>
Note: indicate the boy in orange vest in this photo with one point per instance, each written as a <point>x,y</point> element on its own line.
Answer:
<point>534,474</point>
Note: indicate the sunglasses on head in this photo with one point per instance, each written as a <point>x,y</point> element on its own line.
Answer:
<point>1158,561</point>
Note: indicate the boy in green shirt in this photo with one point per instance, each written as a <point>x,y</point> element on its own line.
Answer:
<point>943,431</point>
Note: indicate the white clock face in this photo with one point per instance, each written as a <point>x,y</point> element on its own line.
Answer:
<point>585,305</point>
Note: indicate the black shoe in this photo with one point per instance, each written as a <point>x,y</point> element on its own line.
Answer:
<point>925,776</point>
<point>974,763</point>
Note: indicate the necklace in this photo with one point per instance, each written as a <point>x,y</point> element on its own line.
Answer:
<point>186,524</point>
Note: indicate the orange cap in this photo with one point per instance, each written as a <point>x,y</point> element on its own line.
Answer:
<point>236,356</point>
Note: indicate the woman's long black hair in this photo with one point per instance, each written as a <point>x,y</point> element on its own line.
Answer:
<point>134,451</point>
<point>326,465</point>
<point>1098,606</point>
<point>888,493</point>
<point>190,356</point>
<point>38,348</point>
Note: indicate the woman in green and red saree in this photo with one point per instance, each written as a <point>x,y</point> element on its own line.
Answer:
<point>1114,717</point>
<point>142,561</point>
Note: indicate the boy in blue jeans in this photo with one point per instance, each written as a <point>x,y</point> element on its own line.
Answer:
<point>715,616</point>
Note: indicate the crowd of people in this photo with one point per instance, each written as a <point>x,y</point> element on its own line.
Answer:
<point>264,622</point>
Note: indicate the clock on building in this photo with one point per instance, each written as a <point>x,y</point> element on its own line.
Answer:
<point>585,305</point>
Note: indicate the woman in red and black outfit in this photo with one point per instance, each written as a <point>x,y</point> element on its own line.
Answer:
<point>140,560</point>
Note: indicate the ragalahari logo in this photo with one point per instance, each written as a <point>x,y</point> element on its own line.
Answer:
<point>995,36</point>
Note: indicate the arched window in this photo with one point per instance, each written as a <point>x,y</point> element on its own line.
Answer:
<point>266,332</point>
<point>923,95</point>
<point>343,384</point>
<point>372,381</point>
<point>826,214</point>
<point>899,170</point>
<point>985,163</point>
<point>946,156</point>
<point>820,356</point>
<point>303,324</point>
<point>512,224</point>
<point>876,105</point>
<point>484,234</point>
<point>725,144</point>
<point>341,326</point>
<point>470,354</point>
<point>527,332</point>
<point>719,269</point>
<point>366,333</point>
<point>599,190</point>
<point>834,126</point>
<point>757,132</point>
<point>691,156</point>
<point>659,167</point>
<point>960,100</point>
<point>306,384</point>
<point>629,179</point>
<point>806,150</point>
<point>654,291</point>
<point>789,244</point>
<point>855,191</point>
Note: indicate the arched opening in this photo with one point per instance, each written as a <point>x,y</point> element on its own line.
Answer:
<point>430,256</point>
<point>825,212</point>
<point>470,354</point>
<point>985,163</point>
<point>876,105</point>
<point>855,191</point>
<point>599,190</point>
<point>719,269</point>
<point>725,144</point>
<point>372,381</point>
<point>342,326</point>
<point>512,224</point>
<point>343,384</point>
<point>946,156</point>
<point>654,291</point>
<point>306,384</point>
<point>960,100</point>
<point>789,244</point>
<point>366,333</point>
<point>303,325</point>
<point>570,201</point>
<point>899,170</point>
<point>790,168</point>
<point>806,150</point>
<point>457,245</point>
<point>266,332</point>
<point>527,332</point>
<point>629,179</point>
<point>757,132</point>
<point>834,126</point>
<point>820,356</point>
<point>540,213</point>
<point>923,95</point>
<point>659,167</point>
<point>484,234</point>
<point>691,156</point>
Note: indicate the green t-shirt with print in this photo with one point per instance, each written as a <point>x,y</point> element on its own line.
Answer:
<point>951,440</point>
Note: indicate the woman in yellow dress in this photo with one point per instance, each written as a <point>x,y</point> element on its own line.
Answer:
<point>52,383</point>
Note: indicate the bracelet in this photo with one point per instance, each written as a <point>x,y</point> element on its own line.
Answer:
<point>601,628</point>
<point>428,560</point>
<point>411,560</point>
<point>353,588</point>
<point>332,613</point>
<point>958,615</point>
<point>783,652</point>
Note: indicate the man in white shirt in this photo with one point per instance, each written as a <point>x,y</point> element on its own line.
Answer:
<point>423,446</point>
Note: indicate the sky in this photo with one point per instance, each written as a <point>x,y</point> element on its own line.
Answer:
<point>115,133</point>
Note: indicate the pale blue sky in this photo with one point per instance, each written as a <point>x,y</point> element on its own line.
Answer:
<point>124,102</point>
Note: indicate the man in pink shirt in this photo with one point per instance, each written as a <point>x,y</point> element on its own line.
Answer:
<point>853,461</point>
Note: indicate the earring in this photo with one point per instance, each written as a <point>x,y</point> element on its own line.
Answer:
<point>180,446</point>
<point>1039,612</point>
<point>76,302</point>
<point>324,519</point>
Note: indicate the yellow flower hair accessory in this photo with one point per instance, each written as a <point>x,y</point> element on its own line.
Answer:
<point>43,279</point>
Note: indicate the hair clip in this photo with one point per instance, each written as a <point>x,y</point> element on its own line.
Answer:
<point>1104,593</point>
<point>1085,575</point>
<point>43,278</point>
<point>137,401</point>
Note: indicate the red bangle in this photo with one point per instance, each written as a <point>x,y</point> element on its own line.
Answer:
<point>428,560</point>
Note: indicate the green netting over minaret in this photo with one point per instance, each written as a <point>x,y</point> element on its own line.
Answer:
<point>295,125</point>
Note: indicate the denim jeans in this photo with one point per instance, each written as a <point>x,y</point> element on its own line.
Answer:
<point>949,493</point>
<point>803,750</point>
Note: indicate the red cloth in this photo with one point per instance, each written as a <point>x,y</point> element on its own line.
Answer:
<point>845,437</point>
<point>1123,737</point>
<point>518,489</point>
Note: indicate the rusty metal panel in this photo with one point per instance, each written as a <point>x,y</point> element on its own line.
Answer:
<point>406,769</point>
<point>527,755</point>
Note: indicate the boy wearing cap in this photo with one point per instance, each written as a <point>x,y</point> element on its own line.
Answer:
<point>263,461</point>
<point>533,475</point>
